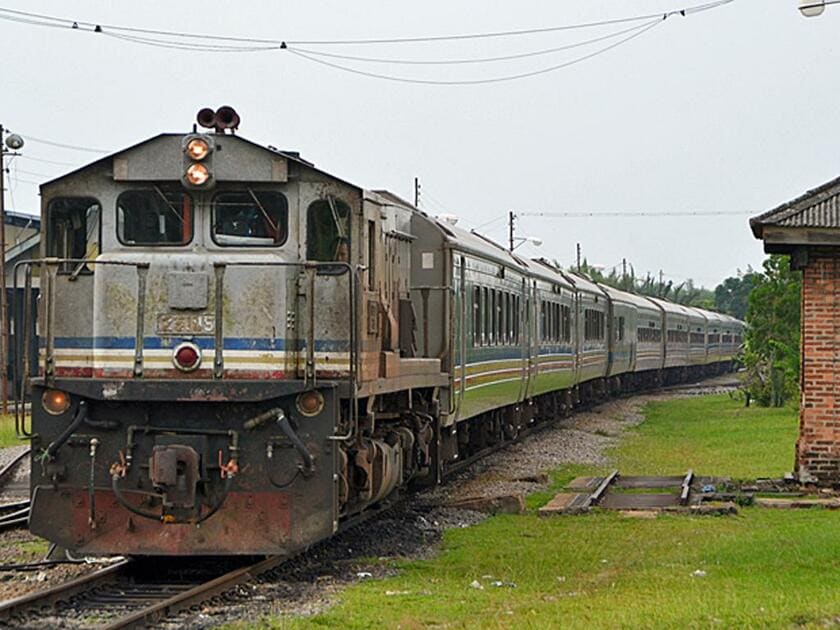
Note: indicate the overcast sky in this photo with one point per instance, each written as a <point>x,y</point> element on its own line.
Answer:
<point>730,110</point>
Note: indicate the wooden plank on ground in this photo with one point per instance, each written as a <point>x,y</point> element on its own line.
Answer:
<point>566,503</point>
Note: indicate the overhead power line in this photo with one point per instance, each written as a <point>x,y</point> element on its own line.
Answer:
<point>677,213</point>
<point>74,147</point>
<point>40,19</point>
<point>450,62</point>
<point>202,42</point>
<point>45,161</point>
<point>498,79</point>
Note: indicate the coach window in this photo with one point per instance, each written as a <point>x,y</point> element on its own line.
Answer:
<point>73,231</point>
<point>476,316</point>
<point>485,307</point>
<point>516,319</point>
<point>494,317</point>
<point>154,217</point>
<point>250,218</point>
<point>328,231</point>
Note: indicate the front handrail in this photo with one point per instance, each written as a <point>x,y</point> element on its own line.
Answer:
<point>50,266</point>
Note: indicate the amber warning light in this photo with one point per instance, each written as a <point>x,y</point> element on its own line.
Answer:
<point>197,174</point>
<point>55,401</point>
<point>198,148</point>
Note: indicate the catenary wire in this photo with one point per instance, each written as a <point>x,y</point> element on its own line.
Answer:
<point>499,79</point>
<point>59,22</point>
<point>678,213</point>
<point>45,161</point>
<point>445,62</point>
<point>64,146</point>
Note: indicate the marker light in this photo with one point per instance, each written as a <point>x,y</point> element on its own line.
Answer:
<point>197,174</point>
<point>186,357</point>
<point>310,403</point>
<point>197,148</point>
<point>55,402</point>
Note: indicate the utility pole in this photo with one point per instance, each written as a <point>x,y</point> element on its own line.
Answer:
<point>511,220</point>
<point>8,145</point>
<point>624,273</point>
<point>416,192</point>
<point>578,257</point>
<point>4,338</point>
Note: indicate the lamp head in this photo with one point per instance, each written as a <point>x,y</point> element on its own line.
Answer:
<point>14,142</point>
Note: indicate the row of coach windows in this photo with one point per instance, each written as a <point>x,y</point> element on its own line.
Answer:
<point>677,336</point>
<point>649,334</point>
<point>555,322</point>
<point>594,325</point>
<point>495,317</point>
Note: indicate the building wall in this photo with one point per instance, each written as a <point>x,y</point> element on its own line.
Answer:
<point>818,447</point>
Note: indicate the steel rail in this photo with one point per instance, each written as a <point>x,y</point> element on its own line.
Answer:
<point>202,592</point>
<point>8,469</point>
<point>61,592</point>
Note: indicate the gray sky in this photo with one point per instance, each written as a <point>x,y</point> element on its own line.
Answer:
<point>728,110</point>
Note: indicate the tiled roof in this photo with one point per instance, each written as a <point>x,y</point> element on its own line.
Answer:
<point>817,208</point>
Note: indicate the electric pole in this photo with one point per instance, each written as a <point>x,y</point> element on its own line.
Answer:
<point>624,273</point>
<point>511,220</point>
<point>416,192</point>
<point>578,257</point>
<point>4,339</point>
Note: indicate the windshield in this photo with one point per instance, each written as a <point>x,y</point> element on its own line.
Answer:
<point>250,218</point>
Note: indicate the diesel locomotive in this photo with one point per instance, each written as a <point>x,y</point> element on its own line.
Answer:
<point>240,352</point>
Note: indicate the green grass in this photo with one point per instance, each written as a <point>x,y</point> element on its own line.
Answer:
<point>713,435</point>
<point>763,568</point>
<point>7,431</point>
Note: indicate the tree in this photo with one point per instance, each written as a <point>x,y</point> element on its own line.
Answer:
<point>732,295</point>
<point>683,293</point>
<point>771,353</point>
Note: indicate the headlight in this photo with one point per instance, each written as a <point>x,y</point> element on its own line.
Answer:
<point>197,174</point>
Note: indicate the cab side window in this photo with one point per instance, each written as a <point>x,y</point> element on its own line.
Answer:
<point>73,231</point>
<point>328,231</point>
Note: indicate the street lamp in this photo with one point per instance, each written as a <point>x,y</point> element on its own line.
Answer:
<point>536,241</point>
<point>813,8</point>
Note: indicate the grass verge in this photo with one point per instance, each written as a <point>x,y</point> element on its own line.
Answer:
<point>7,432</point>
<point>763,567</point>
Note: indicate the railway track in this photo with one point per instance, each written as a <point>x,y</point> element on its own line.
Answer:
<point>14,513</point>
<point>133,593</point>
<point>138,592</point>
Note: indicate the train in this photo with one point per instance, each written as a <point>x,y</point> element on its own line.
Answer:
<point>241,353</point>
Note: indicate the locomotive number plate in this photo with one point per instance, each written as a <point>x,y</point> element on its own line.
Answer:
<point>182,324</point>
